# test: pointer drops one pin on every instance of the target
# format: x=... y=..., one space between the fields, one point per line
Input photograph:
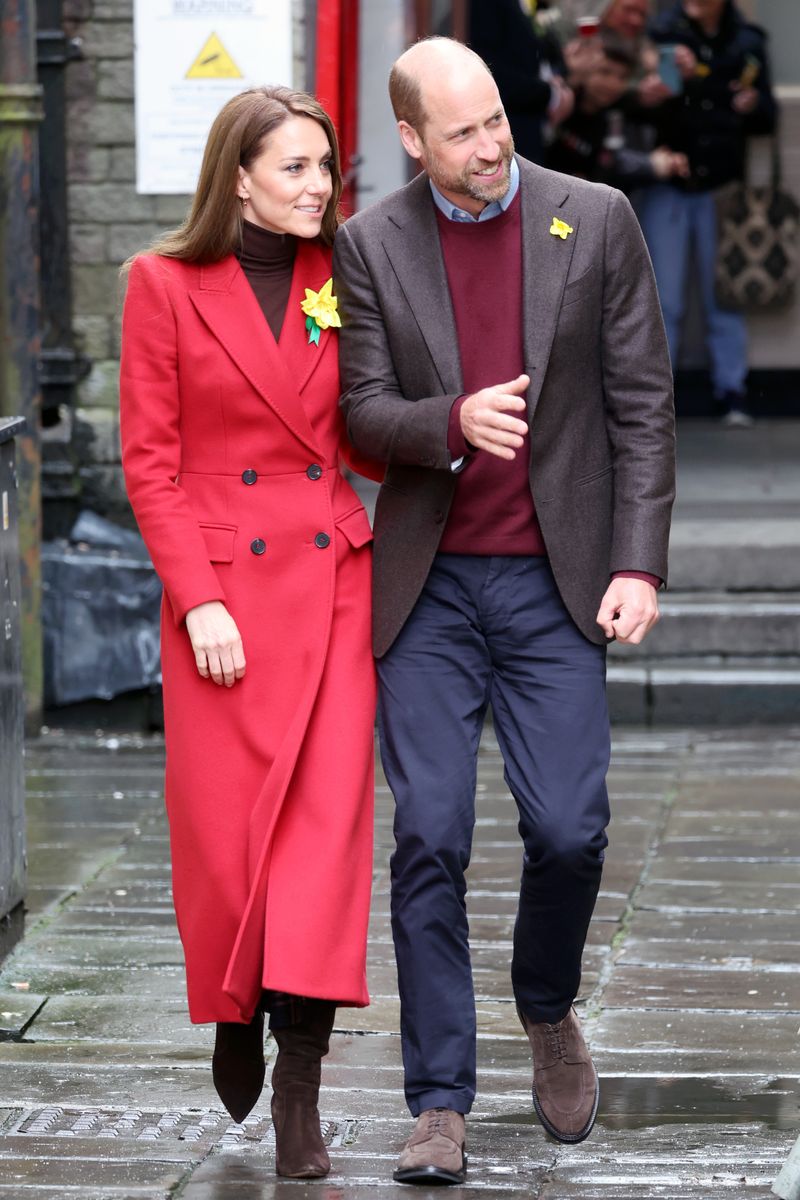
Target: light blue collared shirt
x=454 y=213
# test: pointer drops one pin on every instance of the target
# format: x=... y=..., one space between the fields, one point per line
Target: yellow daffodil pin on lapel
x=561 y=229
x=320 y=309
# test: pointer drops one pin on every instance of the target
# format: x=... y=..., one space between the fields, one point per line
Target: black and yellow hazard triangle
x=214 y=62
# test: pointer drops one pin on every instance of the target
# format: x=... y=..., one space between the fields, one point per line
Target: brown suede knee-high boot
x=238 y=1066
x=300 y=1150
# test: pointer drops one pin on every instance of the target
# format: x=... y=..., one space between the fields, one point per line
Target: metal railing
x=12 y=704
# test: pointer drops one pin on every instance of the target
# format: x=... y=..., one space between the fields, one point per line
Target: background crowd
x=660 y=104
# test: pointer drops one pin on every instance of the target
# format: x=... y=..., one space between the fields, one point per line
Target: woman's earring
x=244 y=200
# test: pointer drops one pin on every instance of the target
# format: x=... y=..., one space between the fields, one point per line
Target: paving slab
x=692 y=1042
x=685 y=987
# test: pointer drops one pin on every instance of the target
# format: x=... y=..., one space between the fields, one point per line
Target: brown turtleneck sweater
x=267 y=260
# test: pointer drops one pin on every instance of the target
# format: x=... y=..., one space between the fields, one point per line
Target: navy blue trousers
x=489 y=630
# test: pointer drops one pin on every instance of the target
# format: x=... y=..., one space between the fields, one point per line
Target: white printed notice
x=192 y=56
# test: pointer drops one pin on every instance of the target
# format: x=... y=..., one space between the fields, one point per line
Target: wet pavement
x=691 y=996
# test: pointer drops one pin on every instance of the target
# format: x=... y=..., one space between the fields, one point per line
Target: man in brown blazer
x=502 y=351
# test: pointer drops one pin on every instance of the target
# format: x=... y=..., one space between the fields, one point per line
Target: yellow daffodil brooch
x=561 y=229
x=320 y=310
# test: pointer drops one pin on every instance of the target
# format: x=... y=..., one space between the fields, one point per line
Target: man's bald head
x=419 y=68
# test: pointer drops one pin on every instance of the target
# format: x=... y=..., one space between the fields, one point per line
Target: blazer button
x=314 y=471
x=322 y=541
x=249 y=476
x=258 y=545
x=438 y=516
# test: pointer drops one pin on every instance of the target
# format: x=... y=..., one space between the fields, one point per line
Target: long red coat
x=231 y=449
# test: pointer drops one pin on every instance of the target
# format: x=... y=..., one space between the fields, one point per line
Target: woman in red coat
x=232 y=443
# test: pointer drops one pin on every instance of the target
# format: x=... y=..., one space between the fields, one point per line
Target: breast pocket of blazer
x=584 y=286
x=219 y=540
x=594 y=476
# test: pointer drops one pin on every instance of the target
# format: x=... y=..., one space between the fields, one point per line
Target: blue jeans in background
x=675 y=223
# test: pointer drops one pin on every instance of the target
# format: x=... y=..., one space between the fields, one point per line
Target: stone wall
x=108 y=223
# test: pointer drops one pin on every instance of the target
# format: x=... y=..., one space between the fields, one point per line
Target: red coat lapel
x=278 y=372
x=312 y=268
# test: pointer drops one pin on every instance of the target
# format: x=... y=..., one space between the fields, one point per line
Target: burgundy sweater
x=492 y=511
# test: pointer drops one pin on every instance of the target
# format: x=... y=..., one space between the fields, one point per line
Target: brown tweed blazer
x=599 y=405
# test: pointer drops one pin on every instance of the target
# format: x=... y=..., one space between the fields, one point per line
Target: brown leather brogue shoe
x=238 y=1066
x=436 y=1152
x=566 y=1090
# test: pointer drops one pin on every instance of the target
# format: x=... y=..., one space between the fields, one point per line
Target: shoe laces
x=557 y=1036
x=436 y=1120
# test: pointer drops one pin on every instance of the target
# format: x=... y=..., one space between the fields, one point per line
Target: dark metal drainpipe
x=60 y=367
x=20 y=114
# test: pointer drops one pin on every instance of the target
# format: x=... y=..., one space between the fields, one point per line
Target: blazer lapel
x=411 y=242
x=546 y=260
x=229 y=308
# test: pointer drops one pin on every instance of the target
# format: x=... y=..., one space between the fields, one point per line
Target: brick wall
x=109 y=222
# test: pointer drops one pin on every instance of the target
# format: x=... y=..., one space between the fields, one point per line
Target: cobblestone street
x=691 y=995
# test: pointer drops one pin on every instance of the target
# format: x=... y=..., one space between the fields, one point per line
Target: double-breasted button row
x=321 y=541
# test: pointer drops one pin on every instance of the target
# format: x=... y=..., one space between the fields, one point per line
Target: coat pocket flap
x=355 y=527
x=219 y=541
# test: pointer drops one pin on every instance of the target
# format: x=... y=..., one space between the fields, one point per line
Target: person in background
x=593 y=141
x=625 y=21
x=726 y=97
x=529 y=75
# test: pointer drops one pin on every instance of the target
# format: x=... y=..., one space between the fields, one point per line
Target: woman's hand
x=217 y=646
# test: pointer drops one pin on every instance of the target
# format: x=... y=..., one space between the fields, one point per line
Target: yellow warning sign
x=214 y=62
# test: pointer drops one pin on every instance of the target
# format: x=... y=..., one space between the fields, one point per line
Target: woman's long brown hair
x=213 y=227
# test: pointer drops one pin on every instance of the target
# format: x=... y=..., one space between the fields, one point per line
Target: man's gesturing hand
x=216 y=642
x=487 y=421
x=629 y=610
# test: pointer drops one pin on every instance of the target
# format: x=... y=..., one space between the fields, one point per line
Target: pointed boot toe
x=238 y=1068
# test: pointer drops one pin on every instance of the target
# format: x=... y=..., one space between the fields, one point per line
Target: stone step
x=719 y=623
x=706 y=691
x=748 y=554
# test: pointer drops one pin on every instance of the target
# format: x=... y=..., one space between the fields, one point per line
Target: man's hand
x=629 y=610
x=215 y=640
x=487 y=421
x=666 y=163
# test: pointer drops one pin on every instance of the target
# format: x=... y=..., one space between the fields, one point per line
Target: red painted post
x=329 y=40
x=348 y=127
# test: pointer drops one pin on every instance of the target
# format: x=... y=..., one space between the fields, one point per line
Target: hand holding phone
x=668 y=69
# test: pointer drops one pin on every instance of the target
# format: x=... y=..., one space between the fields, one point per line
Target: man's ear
x=412 y=143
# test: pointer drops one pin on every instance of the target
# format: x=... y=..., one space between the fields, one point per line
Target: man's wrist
x=645 y=576
x=457 y=444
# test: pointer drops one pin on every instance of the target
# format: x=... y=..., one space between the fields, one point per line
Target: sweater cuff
x=457 y=444
x=653 y=580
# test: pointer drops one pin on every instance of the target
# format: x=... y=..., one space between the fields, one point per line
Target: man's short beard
x=466 y=183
